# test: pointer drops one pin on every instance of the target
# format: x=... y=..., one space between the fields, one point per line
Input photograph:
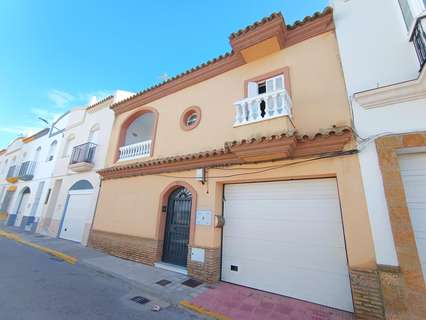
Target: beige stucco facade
x=129 y=219
x=317 y=90
x=137 y=213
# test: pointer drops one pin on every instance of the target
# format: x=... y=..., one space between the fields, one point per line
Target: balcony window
x=26 y=170
x=137 y=136
x=83 y=153
x=419 y=40
x=266 y=99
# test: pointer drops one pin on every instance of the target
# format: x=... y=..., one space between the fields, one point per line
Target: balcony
x=82 y=157
x=26 y=170
x=12 y=174
x=262 y=107
x=136 y=150
x=419 y=40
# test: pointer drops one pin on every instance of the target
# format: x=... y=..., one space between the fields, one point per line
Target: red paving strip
x=240 y=303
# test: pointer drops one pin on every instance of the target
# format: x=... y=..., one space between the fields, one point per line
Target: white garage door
x=78 y=213
x=287 y=238
x=413 y=172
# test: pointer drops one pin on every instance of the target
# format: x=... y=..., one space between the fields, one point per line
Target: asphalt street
x=36 y=286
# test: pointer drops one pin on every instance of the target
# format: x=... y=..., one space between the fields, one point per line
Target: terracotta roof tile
x=230 y=53
x=316 y=15
x=227 y=148
x=99 y=102
x=258 y=23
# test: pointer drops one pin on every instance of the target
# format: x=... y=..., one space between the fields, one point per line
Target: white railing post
x=277 y=104
x=136 y=150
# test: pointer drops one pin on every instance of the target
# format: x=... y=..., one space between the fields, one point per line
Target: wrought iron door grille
x=177 y=227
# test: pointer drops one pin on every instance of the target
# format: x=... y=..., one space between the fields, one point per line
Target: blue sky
x=56 y=54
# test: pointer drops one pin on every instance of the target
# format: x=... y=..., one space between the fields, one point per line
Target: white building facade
x=382 y=45
x=75 y=183
x=26 y=167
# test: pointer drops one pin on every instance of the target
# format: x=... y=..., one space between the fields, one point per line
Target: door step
x=171 y=267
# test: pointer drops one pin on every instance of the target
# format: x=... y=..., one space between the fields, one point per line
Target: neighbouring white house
x=382 y=45
x=75 y=183
x=26 y=167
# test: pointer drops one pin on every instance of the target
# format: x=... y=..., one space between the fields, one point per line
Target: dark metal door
x=176 y=235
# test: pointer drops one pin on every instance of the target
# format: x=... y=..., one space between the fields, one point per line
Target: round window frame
x=186 y=114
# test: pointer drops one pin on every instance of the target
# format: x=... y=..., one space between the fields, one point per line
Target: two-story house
x=383 y=51
x=26 y=170
x=75 y=183
x=245 y=169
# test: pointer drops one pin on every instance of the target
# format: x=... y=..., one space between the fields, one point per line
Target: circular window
x=190 y=118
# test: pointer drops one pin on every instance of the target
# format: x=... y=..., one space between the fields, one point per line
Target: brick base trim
x=209 y=271
x=367 y=294
x=392 y=284
x=133 y=248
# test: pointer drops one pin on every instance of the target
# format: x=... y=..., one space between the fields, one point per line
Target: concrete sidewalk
x=142 y=276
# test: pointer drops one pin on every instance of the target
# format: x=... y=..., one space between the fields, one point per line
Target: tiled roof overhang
x=276 y=147
x=272 y=26
x=99 y=102
x=35 y=136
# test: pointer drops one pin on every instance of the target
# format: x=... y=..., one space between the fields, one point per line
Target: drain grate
x=140 y=299
x=192 y=283
x=163 y=282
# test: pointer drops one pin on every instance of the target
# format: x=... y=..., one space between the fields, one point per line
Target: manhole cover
x=140 y=299
x=191 y=283
x=163 y=282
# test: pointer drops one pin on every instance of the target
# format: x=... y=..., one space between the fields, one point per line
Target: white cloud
x=20 y=130
x=84 y=98
x=60 y=98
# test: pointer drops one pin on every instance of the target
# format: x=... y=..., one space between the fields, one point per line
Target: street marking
x=55 y=253
x=203 y=311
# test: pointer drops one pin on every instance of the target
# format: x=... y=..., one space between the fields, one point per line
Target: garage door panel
x=303 y=283
x=325 y=210
x=287 y=238
x=310 y=233
x=293 y=190
x=413 y=173
x=77 y=215
x=319 y=258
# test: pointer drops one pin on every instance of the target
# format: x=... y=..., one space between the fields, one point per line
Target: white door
x=413 y=172
x=21 y=208
x=77 y=214
x=287 y=238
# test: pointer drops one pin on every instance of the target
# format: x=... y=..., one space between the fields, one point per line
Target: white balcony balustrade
x=262 y=107
x=136 y=150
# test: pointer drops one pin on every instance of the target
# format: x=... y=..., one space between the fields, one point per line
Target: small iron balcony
x=26 y=170
x=12 y=174
x=419 y=40
x=82 y=157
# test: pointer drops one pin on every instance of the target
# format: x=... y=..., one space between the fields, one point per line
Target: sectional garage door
x=287 y=238
x=413 y=172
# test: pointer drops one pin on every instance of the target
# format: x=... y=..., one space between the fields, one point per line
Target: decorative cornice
x=276 y=147
x=396 y=93
x=273 y=25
